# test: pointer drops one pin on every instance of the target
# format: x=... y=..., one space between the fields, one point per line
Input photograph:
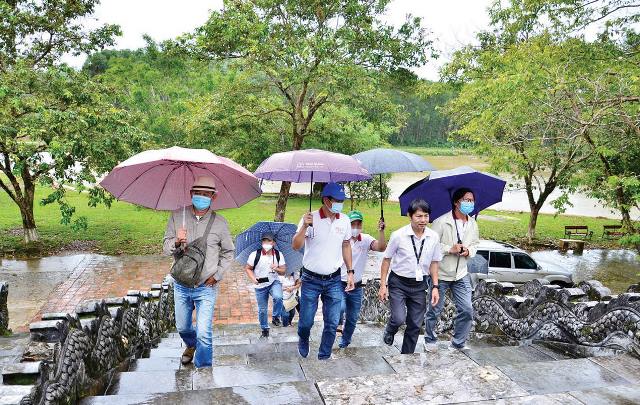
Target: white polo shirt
x=263 y=268
x=360 y=247
x=323 y=242
x=403 y=258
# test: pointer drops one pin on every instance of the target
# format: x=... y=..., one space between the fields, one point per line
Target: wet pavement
x=60 y=283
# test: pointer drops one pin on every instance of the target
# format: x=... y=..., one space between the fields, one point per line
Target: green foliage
x=370 y=191
x=56 y=125
x=38 y=33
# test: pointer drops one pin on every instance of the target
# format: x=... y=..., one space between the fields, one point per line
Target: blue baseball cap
x=334 y=190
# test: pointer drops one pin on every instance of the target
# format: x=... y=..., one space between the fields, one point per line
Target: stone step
x=462 y=381
x=12 y=394
x=561 y=376
x=149 y=382
x=497 y=356
x=297 y=392
x=20 y=373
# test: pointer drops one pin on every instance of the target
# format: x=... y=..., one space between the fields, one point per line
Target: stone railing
x=586 y=315
x=80 y=352
x=4 y=310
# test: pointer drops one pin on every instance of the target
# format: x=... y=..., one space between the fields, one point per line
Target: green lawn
x=425 y=151
x=129 y=229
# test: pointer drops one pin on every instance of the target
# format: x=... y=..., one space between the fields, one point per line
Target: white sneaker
x=430 y=347
x=459 y=349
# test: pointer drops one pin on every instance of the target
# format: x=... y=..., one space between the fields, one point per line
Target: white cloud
x=452 y=23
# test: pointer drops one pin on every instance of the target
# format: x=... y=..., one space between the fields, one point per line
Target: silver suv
x=511 y=264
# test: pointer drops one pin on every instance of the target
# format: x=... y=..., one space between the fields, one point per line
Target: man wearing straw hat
x=184 y=226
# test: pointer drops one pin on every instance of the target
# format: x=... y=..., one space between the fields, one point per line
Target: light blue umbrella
x=381 y=161
x=478 y=264
x=251 y=240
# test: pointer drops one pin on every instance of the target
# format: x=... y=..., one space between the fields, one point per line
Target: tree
x=602 y=103
x=306 y=55
x=56 y=126
x=507 y=106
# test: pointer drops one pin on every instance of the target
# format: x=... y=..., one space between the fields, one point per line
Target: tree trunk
x=283 y=197
x=533 y=220
x=285 y=187
x=28 y=220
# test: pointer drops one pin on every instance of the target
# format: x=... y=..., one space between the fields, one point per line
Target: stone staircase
x=269 y=371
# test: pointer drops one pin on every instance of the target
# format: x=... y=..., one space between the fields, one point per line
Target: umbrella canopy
x=478 y=264
x=438 y=187
x=309 y=165
x=380 y=161
x=162 y=179
x=251 y=240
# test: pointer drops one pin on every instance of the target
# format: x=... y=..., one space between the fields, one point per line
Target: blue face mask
x=201 y=202
x=466 y=207
x=336 y=207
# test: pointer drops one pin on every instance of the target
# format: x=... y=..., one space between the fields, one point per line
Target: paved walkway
x=97 y=277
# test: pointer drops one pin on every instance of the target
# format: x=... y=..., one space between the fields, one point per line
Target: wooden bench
x=578 y=245
x=577 y=231
x=612 y=231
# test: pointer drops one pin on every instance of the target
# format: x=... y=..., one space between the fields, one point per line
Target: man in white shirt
x=413 y=253
x=325 y=234
x=263 y=271
x=459 y=239
x=361 y=244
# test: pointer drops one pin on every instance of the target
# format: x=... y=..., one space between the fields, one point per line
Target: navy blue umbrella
x=251 y=240
x=380 y=161
x=439 y=186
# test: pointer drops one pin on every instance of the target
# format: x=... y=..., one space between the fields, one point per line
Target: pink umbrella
x=162 y=179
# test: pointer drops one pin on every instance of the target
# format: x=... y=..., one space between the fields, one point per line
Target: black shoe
x=265 y=333
x=276 y=321
x=388 y=338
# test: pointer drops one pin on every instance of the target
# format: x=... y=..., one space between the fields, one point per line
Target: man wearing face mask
x=184 y=226
x=263 y=267
x=361 y=244
x=459 y=239
x=325 y=235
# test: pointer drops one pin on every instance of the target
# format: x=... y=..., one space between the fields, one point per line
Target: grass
x=127 y=229
x=435 y=150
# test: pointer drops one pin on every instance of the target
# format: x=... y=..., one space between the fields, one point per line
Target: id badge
x=418 y=272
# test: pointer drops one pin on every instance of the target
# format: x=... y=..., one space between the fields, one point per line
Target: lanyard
x=415 y=251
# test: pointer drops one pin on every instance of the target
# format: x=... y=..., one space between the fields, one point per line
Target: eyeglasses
x=468 y=200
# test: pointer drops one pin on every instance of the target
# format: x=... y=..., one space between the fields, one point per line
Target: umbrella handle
x=311 y=193
x=381 y=203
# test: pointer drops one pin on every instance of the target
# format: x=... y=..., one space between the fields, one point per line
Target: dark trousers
x=408 y=300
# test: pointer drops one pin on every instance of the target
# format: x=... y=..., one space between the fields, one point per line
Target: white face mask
x=355 y=232
x=267 y=246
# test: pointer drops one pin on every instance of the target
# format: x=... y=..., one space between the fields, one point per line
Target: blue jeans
x=350 y=308
x=330 y=292
x=202 y=299
x=262 y=296
x=461 y=292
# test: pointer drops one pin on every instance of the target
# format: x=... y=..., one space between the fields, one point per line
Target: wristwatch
x=352 y=271
x=434 y=286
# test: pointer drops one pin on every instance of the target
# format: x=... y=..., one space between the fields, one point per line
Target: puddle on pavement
x=617 y=269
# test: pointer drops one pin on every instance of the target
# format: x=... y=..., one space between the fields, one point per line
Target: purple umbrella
x=301 y=166
x=438 y=187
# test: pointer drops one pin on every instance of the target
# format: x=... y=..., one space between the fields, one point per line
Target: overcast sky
x=452 y=23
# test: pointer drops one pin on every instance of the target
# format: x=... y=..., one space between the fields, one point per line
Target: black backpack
x=259 y=253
